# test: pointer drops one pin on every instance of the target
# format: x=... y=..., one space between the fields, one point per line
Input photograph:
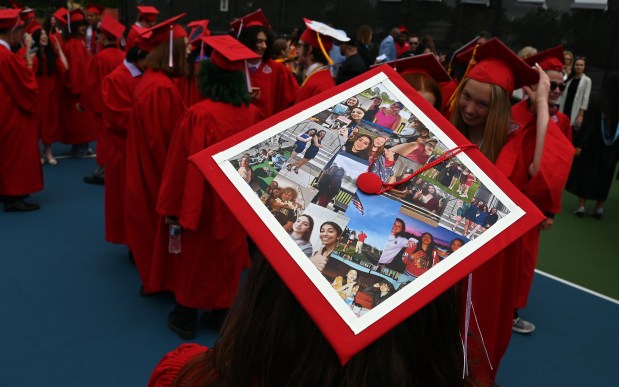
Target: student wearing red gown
x=552 y=61
x=188 y=85
x=206 y=274
x=100 y=65
x=53 y=27
x=274 y=87
x=20 y=166
x=117 y=94
x=93 y=17
x=313 y=60
x=531 y=159
x=147 y=18
x=157 y=107
x=52 y=65
x=76 y=122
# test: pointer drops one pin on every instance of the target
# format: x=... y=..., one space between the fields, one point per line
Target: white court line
x=568 y=283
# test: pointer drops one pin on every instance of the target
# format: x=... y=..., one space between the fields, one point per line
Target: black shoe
x=183 y=325
x=94 y=179
x=214 y=319
x=20 y=206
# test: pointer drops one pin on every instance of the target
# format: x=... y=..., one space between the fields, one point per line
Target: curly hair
x=221 y=85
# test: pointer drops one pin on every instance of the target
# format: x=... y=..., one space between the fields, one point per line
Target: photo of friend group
x=368 y=247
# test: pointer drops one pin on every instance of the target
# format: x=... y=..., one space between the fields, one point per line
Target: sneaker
x=580 y=212
x=182 y=326
x=522 y=326
x=94 y=179
x=598 y=213
x=20 y=206
x=85 y=153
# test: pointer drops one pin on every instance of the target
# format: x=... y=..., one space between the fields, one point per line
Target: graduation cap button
x=369 y=183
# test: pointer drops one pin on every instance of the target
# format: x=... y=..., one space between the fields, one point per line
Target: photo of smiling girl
x=330 y=236
x=301 y=232
x=359 y=146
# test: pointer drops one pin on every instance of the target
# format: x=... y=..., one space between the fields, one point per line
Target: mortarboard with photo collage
x=361 y=263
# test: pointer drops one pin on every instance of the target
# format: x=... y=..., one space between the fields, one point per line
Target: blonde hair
x=527 y=51
x=497 y=123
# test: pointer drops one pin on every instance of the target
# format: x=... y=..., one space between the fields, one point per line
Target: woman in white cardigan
x=575 y=99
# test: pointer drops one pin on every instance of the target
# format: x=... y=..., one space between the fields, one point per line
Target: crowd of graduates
x=165 y=92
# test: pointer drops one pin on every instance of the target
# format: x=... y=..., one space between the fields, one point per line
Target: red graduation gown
x=157 y=107
x=315 y=84
x=117 y=96
x=206 y=274
x=278 y=87
x=502 y=284
x=188 y=88
x=78 y=126
x=99 y=66
x=20 y=165
x=563 y=122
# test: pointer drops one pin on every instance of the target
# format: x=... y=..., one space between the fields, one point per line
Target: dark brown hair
x=158 y=58
x=269 y=340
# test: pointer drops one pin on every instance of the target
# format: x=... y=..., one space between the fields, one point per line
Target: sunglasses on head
x=554 y=85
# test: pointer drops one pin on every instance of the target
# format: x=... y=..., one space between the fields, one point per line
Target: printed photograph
x=286 y=199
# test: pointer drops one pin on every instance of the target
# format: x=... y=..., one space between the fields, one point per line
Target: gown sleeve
x=172 y=363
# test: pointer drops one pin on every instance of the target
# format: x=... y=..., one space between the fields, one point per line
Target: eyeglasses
x=554 y=85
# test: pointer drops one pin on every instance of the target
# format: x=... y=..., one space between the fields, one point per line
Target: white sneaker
x=522 y=326
x=580 y=212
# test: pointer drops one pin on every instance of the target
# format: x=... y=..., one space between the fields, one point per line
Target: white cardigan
x=581 y=98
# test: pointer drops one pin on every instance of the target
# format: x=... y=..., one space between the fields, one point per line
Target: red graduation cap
x=493 y=62
x=320 y=36
x=199 y=29
x=425 y=64
x=256 y=18
x=228 y=53
x=27 y=15
x=61 y=15
x=551 y=59
x=95 y=8
x=147 y=13
x=112 y=29
x=9 y=19
x=154 y=36
x=32 y=27
x=140 y=42
x=350 y=328
x=76 y=16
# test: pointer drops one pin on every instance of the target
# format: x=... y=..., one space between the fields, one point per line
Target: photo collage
x=368 y=247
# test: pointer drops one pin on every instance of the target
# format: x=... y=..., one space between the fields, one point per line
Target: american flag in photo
x=355 y=200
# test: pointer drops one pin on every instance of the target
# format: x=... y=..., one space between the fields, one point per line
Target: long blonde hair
x=497 y=123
